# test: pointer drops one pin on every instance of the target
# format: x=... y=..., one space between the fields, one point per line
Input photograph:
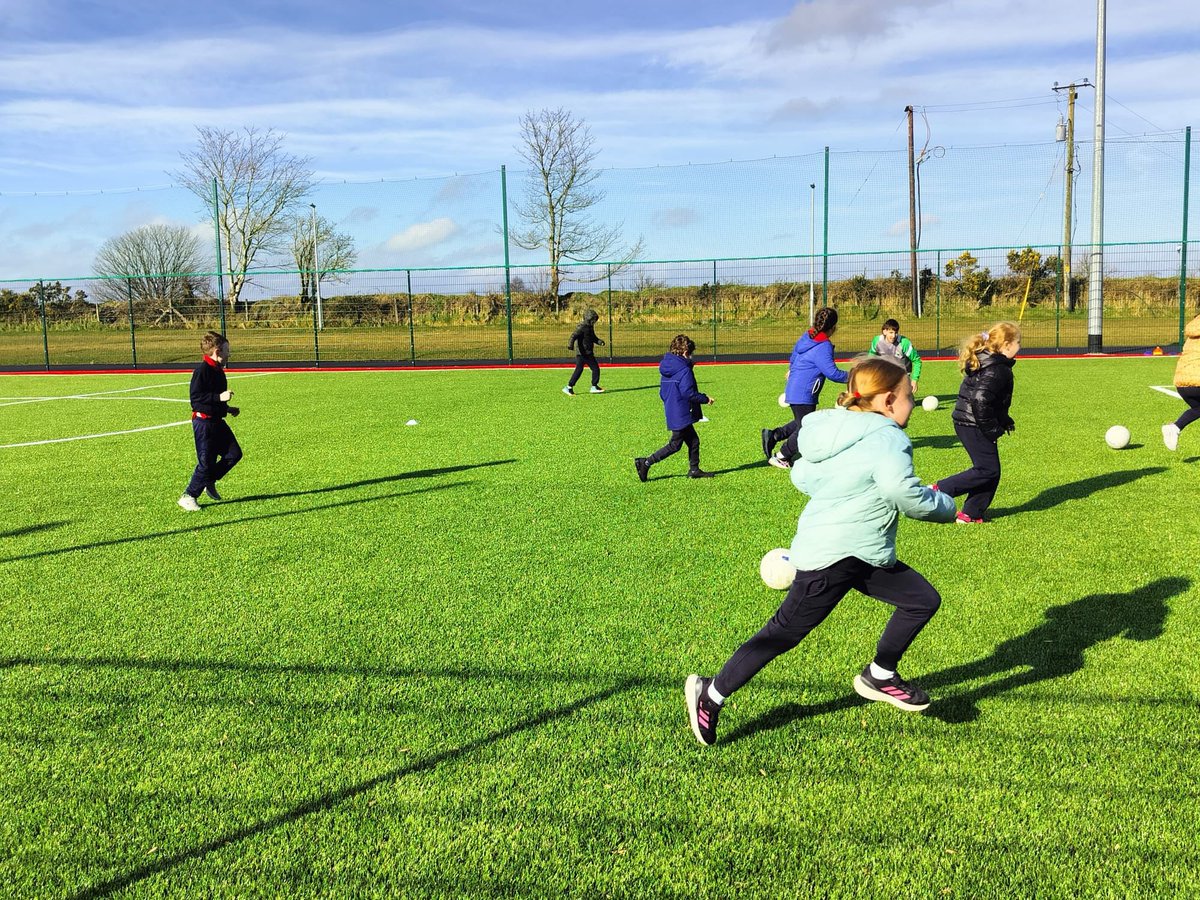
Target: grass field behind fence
x=446 y=660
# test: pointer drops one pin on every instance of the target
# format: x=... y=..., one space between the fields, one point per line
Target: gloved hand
x=225 y=396
x=234 y=411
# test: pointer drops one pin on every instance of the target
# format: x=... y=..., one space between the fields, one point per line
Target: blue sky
x=105 y=96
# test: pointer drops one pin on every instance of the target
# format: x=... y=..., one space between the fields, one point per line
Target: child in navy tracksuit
x=217 y=450
x=584 y=341
x=682 y=400
x=811 y=364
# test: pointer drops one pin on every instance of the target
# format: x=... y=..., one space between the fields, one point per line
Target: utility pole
x=912 y=215
x=1072 y=93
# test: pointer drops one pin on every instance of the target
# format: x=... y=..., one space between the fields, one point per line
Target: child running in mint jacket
x=810 y=365
x=856 y=466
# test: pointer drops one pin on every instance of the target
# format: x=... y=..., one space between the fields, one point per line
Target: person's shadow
x=1054 y=648
x=1077 y=490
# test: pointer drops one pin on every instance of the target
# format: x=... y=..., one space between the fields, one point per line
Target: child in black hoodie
x=583 y=342
x=217 y=450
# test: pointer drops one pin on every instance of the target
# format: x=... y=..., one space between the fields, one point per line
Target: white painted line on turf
x=88 y=437
x=145 y=387
x=1166 y=390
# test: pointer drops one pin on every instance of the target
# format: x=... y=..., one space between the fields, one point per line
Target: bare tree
x=160 y=265
x=560 y=190
x=258 y=189
x=335 y=253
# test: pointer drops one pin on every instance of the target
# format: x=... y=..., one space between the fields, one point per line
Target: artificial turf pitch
x=447 y=660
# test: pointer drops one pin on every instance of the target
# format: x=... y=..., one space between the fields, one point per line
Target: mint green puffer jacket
x=857 y=470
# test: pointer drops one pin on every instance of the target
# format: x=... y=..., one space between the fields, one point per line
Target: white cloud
x=900 y=228
x=423 y=235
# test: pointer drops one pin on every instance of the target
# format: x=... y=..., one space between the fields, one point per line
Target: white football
x=930 y=403
x=783 y=400
x=1117 y=437
x=776 y=570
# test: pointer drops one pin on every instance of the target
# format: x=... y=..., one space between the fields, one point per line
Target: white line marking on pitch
x=1166 y=390
x=146 y=387
x=87 y=437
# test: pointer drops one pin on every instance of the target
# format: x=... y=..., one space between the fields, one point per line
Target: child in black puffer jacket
x=981 y=416
x=583 y=342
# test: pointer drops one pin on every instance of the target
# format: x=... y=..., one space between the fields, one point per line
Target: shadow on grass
x=133 y=539
x=332 y=799
x=32 y=529
x=643 y=387
x=1077 y=490
x=788 y=713
x=937 y=441
x=386 y=479
x=1055 y=648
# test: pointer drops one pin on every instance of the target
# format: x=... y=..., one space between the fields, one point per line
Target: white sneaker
x=597 y=390
x=1171 y=435
x=188 y=502
x=567 y=390
x=779 y=462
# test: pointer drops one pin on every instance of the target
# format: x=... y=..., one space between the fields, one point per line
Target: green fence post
x=714 y=302
x=1187 y=168
x=507 y=279
x=825 y=242
x=1058 y=300
x=412 y=339
x=45 y=339
x=937 y=308
x=220 y=273
x=132 y=337
x=608 y=270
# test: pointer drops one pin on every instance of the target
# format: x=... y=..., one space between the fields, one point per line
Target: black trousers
x=1190 y=396
x=588 y=360
x=812 y=597
x=788 y=433
x=980 y=481
x=217 y=451
x=678 y=439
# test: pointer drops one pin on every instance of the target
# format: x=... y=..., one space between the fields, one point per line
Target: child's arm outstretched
x=898 y=483
x=829 y=368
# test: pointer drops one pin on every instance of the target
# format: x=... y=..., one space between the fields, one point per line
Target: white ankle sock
x=713 y=695
x=881 y=673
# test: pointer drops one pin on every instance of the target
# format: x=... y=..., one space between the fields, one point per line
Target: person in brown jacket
x=1187 y=384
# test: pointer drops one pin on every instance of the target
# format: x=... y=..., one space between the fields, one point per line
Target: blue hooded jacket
x=680 y=396
x=810 y=365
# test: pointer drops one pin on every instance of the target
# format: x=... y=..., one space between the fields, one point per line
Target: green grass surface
x=447 y=660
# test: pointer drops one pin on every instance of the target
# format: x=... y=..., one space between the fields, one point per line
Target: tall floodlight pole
x=812 y=256
x=1096 y=268
x=316 y=271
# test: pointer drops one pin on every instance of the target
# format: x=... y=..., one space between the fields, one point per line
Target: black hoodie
x=583 y=338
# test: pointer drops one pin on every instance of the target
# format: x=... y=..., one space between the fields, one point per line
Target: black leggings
x=678 y=439
x=812 y=597
x=1190 y=396
x=581 y=361
x=980 y=481
x=789 y=433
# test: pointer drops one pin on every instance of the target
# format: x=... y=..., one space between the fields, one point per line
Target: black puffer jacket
x=986 y=395
x=583 y=339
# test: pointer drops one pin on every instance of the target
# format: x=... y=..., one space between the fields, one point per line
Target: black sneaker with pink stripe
x=702 y=710
x=894 y=690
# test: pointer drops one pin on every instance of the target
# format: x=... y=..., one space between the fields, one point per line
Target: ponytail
x=990 y=340
x=871 y=376
x=824 y=321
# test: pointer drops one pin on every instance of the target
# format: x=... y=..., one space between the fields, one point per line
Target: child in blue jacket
x=811 y=364
x=856 y=466
x=681 y=402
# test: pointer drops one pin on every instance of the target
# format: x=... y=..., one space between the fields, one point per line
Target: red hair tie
x=857 y=395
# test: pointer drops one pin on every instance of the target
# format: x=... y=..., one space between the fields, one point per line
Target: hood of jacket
x=839 y=430
x=672 y=364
